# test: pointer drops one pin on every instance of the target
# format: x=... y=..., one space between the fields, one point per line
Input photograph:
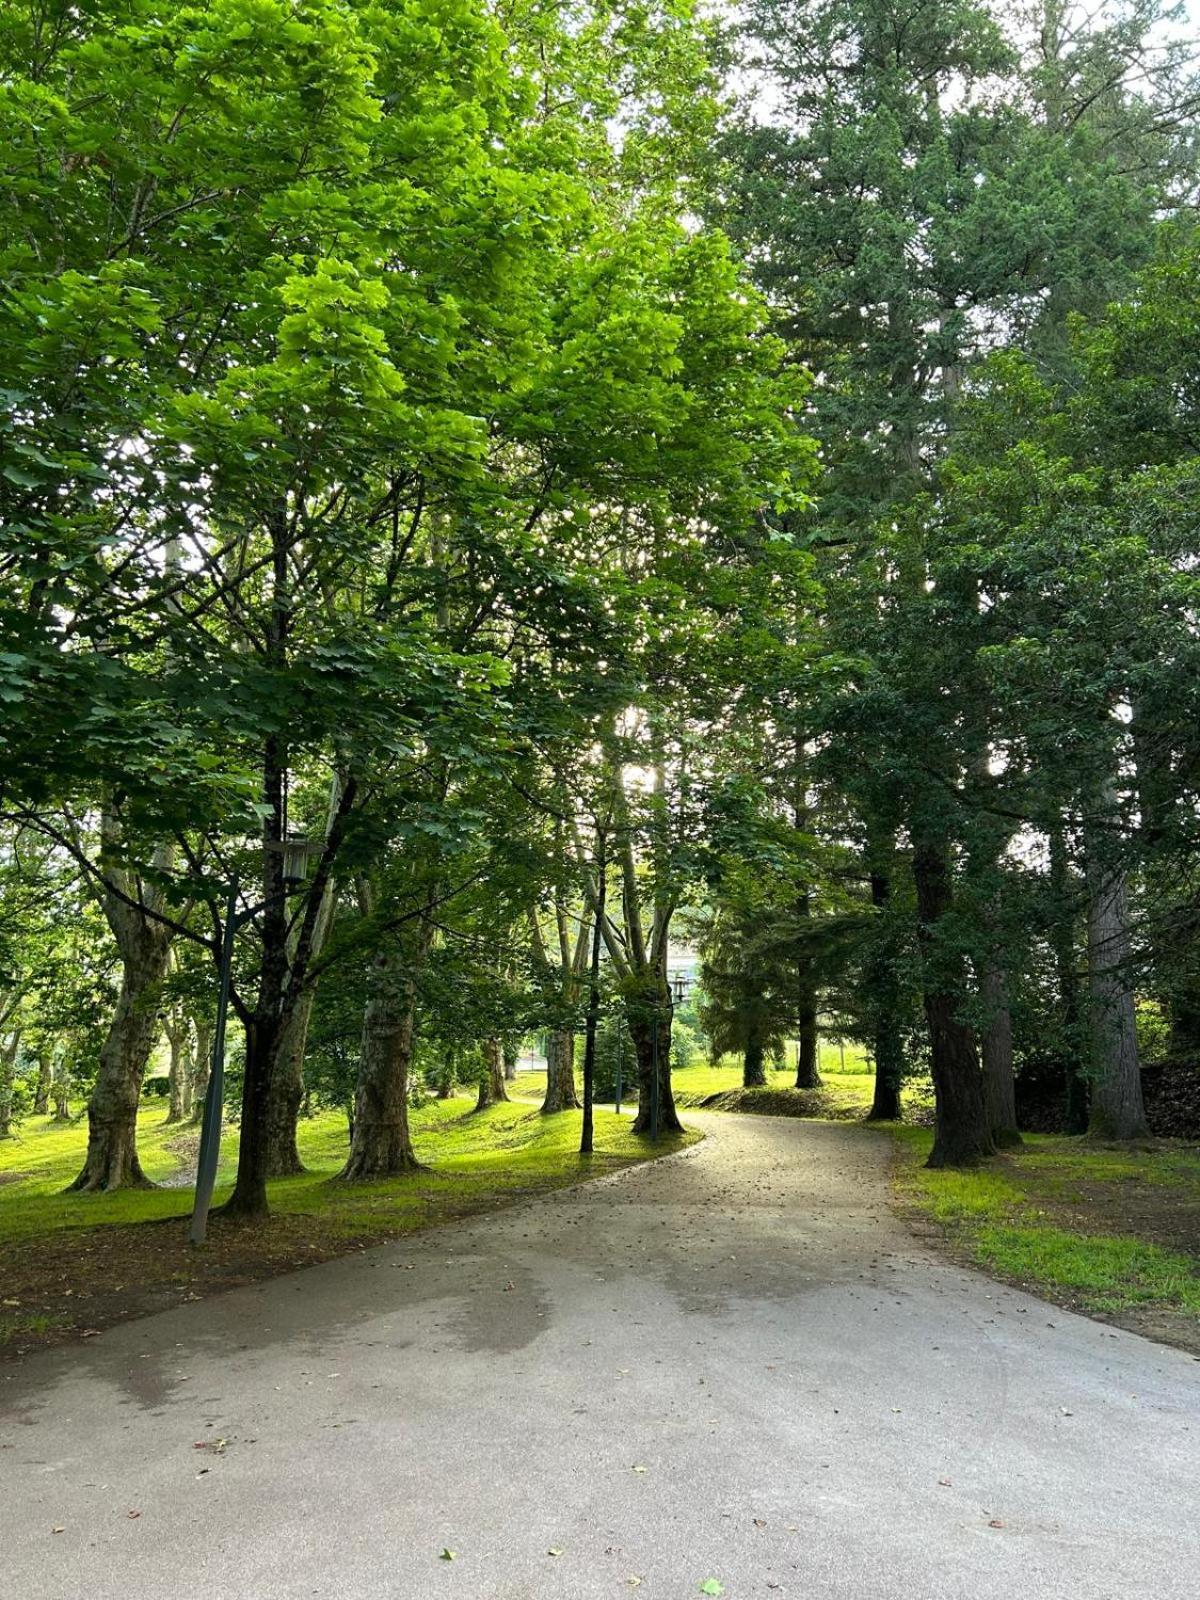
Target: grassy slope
x=1109 y=1231
x=61 y=1255
x=843 y=1094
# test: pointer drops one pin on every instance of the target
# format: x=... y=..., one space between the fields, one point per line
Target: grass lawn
x=844 y=1095
x=1112 y=1232
x=71 y=1264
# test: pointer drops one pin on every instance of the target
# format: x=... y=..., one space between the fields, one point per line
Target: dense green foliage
x=481 y=491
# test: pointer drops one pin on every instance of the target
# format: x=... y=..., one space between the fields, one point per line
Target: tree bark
x=112 y=1158
x=179 y=1074
x=1062 y=940
x=651 y=1035
x=202 y=1067
x=560 y=1072
x=889 y=1051
x=380 y=1143
x=9 y=1051
x=999 y=1083
x=808 y=1071
x=287 y=1092
x=45 y=1079
x=961 y=1135
x=1117 y=1111
x=512 y=1054
x=491 y=1081
x=61 y=1091
x=754 y=1071
x=287 y=1080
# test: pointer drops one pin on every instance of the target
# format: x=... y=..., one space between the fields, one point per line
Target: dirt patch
x=1157 y=1213
x=12 y=1177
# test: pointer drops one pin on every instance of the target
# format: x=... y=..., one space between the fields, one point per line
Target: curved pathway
x=733 y=1364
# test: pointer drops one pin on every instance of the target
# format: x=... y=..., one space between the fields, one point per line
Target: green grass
x=843 y=1092
x=71 y=1263
x=503 y=1149
x=1073 y=1221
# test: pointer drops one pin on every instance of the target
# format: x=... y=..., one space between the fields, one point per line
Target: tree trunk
x=754 y=1072
x=1062 y=940
x=889 y=1049
x=61 y=1091
x=512 y=1054
x=999 y=1083
x=1117 y=1111
x=112 y=1159
x=249 y=1197
x=380 y=1142
x=651 y=1035
x=201 y=1067
x=560 y=1072
x=287 y=1080
x=961 y=1136
x=491 y=1081
x=287 y=1092
x=808 y=1070
x=45 y=1078
x=179 y=1074
x=9 y=1052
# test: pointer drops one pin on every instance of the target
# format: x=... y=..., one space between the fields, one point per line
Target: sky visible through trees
x=492 y=495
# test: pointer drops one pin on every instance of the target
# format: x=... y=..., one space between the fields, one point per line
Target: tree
x=927 y=185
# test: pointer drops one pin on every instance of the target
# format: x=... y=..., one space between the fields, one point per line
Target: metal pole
x=214 y=1099
x=654 y=1090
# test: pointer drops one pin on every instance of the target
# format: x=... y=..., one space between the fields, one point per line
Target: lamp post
x=296 y=850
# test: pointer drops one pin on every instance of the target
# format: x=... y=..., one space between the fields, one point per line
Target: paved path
x=732 y=1364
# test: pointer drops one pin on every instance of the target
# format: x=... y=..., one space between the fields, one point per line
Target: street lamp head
x=298 y=849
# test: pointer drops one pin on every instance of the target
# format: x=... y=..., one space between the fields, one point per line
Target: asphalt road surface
x=731 y=1367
